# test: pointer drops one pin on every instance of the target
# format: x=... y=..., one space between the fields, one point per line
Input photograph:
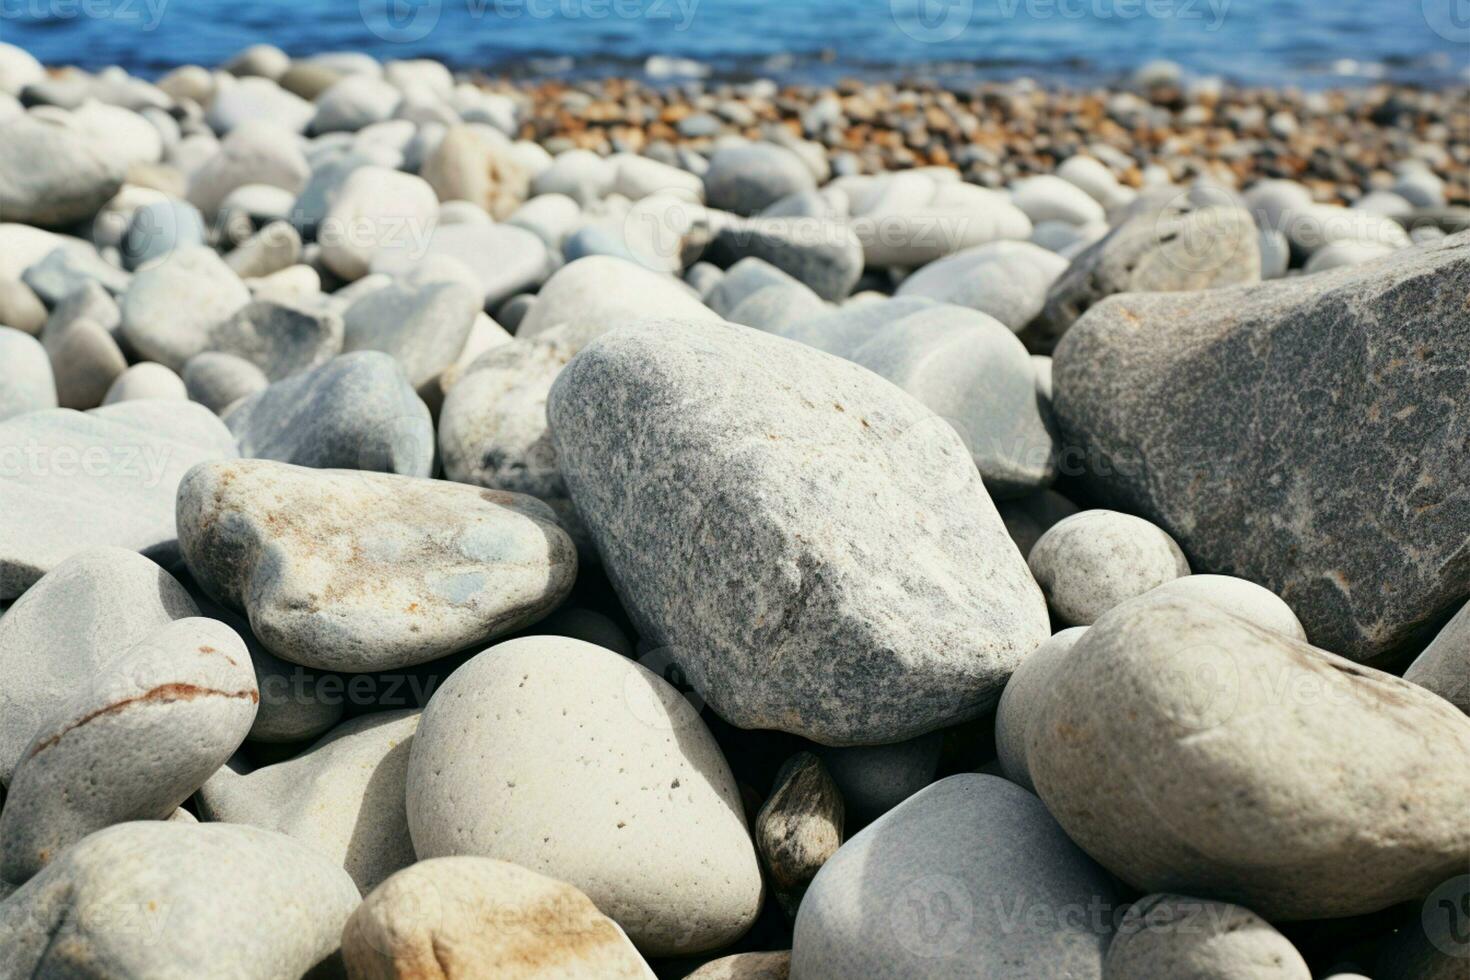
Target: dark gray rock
x=705 y=455
x=1171 y=242
x=281 y=338
x=824 y=254
x=798 y=827
x=217 y=381
x=256 y=900
x=1302 y=434
x=971 y=877
x=357 y=411
x=876 y=778
x=66 y=269
x=747 y=178
x=51 y=175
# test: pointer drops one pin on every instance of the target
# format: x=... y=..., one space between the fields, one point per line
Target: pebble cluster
x=450 y=529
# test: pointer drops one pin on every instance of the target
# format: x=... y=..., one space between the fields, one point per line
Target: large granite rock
x=172 y=901
x=1303 y=434
x=131 y=743
x=355 y=412
x=1191 y=751
x=1171 y=242
x=345 y=570
x=813 y=546
x=343 y=796
x=71 y=481
x=570 y=760
x=971 y=877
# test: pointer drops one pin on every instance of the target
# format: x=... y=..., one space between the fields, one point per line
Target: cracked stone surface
x=1310 y=435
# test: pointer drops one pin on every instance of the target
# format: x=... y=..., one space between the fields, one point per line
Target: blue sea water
x=1311 y=43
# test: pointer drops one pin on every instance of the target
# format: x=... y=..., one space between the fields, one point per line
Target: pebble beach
x=468 y=524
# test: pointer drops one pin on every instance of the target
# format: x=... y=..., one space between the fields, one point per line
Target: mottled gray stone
x=1187 y=938
x=823 y=254
x=73 y=623
x=1189 y=750
x=344 y=570
x=743 y=280
x=1355 y=513
x=357 y=411
x=217 y=381
x=592 y=296
x=1169 y=243
x=1444 y=666
x=504 y=259
x=27 y=383
x=160 y=228
x=972 y=372
x=651 y=828
x=1029 y=685
x=66 y=269
x=145 y=380
x=970 y=877
x=342 y=797
x=113 y=906
x=775 y=307
x=71 y=481
x=171 y=309
x=281 y=338
x=52 y=175
x=747 y=178
x=705 y=454
x=798 y=827
x=844 y=330
x=1094 y=560
x=424 y=327
x=1007 y=280
x=131 y=742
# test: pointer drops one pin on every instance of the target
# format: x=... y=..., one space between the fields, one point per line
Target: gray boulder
x=1187 y=938
x=171 y=308
x=1171 y=242
x=342 y=797
x=110 y=907
x=1355 y=514
x=281 y=338
x=874 y=779
x=343 y=570
x=52 y=175
x=69 y=627
x=1007 y=280
x=217 y=380
x=1090 y=562
x=823 y=254
x=356 y=411
x=1189 y=750
x=75 y=481
x=26 y=381
x=424 y=327
x=66 y=269
x=706 y=454
x=971 y=877
x=132 y=742
x=747 y=178
x=1444 y=666
x=1028 y=688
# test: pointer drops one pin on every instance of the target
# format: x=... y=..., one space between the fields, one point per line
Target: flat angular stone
x=71 y=481
x=281 y=338
x=424 y=327
x=1444 y=666
x=343 y=570
x=1356 y=513
x=814 y=546
x=356 y=411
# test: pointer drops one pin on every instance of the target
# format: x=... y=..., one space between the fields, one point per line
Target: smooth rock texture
x=424 y=327
x=52 y=175
x=798 y=827
x=134 y=742
x=468 y=166
x=476 y=917
x=1239 y=598
x=160 y=228
x=20 y=308
x=1267 y=773
x=1169 y=243
x=342 y=570
x=356 y=411
x=504 y=259
x=171 y=309
x=1090 y=562
x=342 y=797
x=217 y=380
x=839 y=630
x=26 y=381
x=746 y=966
x=67 y=628
x=1444 y=666
x=1007 y=280
x=746 y=178
x=280 y=337
x=108 y=907
x=146 y=380
x=874 y=779
x=376 y=215
x=650 y=826
x=826 y=256
x=71 y=481
x=1354 y=514
x=1187 y=938
x=1028 y=687
x=924 y=892
x=595 y=295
